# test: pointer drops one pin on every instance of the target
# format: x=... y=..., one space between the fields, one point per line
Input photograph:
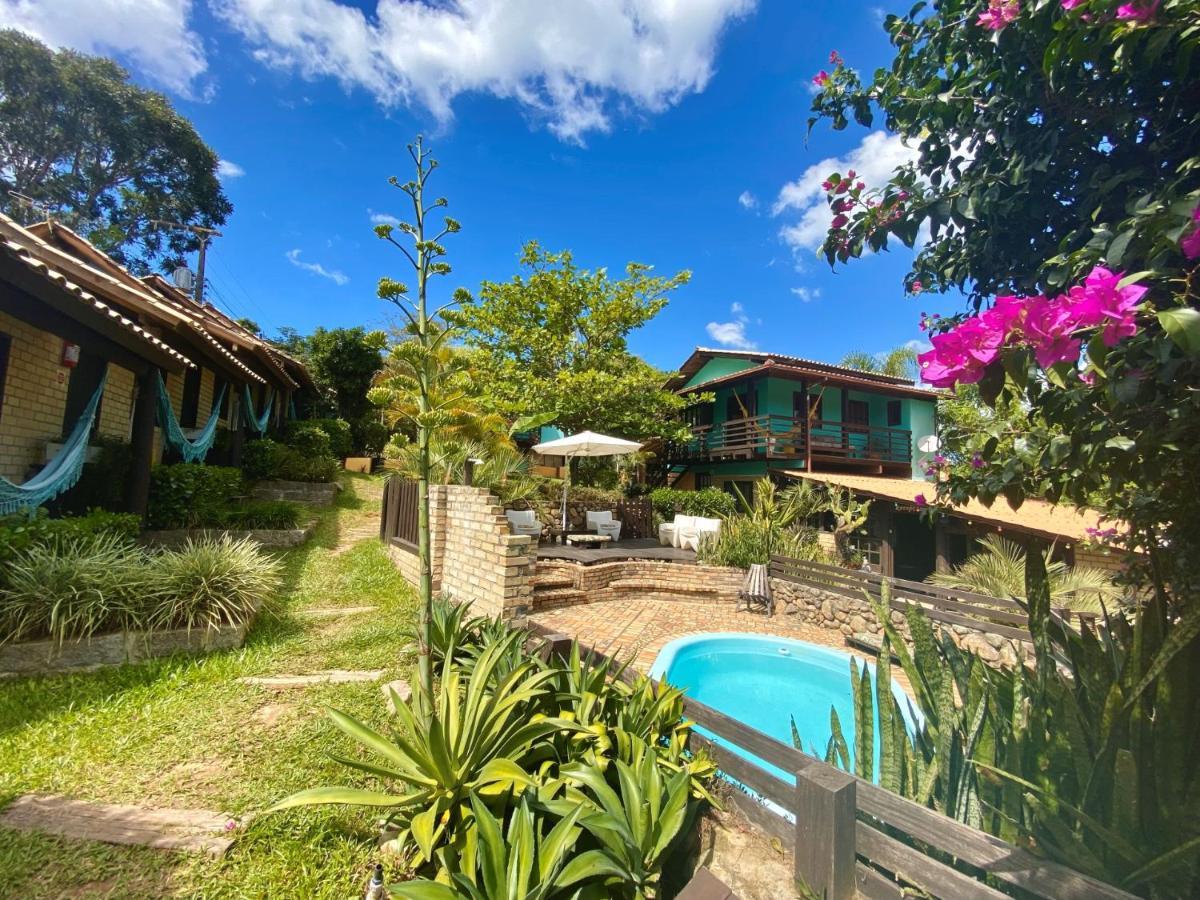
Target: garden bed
x=312 y=492
x=264 y=537
x=49 y=657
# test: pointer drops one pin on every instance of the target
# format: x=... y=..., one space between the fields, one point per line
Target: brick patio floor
x=638 y=630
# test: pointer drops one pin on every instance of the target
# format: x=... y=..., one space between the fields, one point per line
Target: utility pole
x=205 y=235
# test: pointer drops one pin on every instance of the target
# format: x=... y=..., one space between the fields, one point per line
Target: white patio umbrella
x=586 y=443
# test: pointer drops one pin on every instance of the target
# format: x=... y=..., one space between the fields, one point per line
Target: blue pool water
x=766 y=681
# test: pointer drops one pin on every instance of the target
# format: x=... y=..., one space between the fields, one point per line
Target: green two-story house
x=776 y=413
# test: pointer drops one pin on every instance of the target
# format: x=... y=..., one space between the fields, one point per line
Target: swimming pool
x=766 y=681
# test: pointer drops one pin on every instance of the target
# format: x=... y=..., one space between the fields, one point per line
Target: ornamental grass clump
x=71 y=588
x=211 y=582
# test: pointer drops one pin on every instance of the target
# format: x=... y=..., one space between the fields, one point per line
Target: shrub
x=742 y=541
x=266 y=459
x=309 y=438
x=19 y=532
x=269 y=514
x=211 y=582
x=341 y=439
x=370 y=436
x=74 y=587
x=712 y=503
x=189 y=495
x=103 y=483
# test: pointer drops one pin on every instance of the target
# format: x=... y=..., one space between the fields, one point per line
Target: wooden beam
x=826 y=839
x=52 y=309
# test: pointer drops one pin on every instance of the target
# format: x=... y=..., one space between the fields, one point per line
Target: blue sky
x=679 y=142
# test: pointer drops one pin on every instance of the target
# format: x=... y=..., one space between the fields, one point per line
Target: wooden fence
x=398 y=517
x=993 y=615
x=852 y=838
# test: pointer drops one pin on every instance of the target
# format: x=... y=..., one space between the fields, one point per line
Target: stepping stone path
x=402 y=689
x=330 y=612
x=165 y=829
x=334 y=676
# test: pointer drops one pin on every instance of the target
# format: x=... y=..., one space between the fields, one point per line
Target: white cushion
x=597 y=518
x=520 y=516
x=666 y=534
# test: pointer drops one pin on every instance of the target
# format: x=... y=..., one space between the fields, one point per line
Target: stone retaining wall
x=47 y=657
x=316 y=493
x=850 y=616
x=475 y=556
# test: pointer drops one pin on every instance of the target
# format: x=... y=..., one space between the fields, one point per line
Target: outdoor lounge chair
x=668 y=532
x=756 y=590
x=603 y=523
x=524 y=521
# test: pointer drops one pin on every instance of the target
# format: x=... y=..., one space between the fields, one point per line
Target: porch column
x=237 y=435
x=142 y=442
x=941 y=547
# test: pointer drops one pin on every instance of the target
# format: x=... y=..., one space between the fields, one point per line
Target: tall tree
x=556 y=338
x=105 y=155
x=419 y=365
x=343 y=362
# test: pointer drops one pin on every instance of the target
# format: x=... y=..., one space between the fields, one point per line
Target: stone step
x=166 y=829
x=334 y=676
x=650 y=585
x=550 y=599
x=551 y=581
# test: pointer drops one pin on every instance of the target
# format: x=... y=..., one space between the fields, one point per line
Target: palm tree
x=899 y=363
x=999 y=571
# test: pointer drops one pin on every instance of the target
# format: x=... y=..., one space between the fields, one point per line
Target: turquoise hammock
x=62 y=472
x=292 y=417
x=194 y=450
x=257 y=424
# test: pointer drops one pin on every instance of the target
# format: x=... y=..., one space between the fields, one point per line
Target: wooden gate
x=398 y=518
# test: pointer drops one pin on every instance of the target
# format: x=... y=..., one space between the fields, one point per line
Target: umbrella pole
x=566 y=484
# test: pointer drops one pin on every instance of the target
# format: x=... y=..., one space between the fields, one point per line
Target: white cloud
x=747 y=200
x=227 y=169
x=565 y=63
x=732 y=334
x=378 y=218
x=333 y=275
x=916 y=345
x=807 y=295
x=874 y=159
x=151 y=35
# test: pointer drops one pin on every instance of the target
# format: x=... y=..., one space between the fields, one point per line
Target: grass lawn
x=183 y=732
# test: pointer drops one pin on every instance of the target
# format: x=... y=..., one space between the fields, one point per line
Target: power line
x=230 y=276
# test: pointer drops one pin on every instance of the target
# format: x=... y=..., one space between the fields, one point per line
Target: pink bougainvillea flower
x=1141 y=11
x=999 y=14
x=920 y=501
x=1190 y=244
x=977 y=462
x=1101 y=301
x=1049 y=327
x=835 y=58
x=917 y=287
x=827 y=186
x=1007 y=314
x=839 y=221
x=821 y=78
x=1071 y=4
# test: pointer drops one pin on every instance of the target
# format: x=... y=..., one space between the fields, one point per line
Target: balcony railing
x=783 y=437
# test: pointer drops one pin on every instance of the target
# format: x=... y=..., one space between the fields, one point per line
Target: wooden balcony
x=820 y=441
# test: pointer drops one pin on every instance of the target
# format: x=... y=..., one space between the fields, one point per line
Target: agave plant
x=452 y=629
x=523 y=864
x=475 y=743
x=637 y=824
x=999 y=571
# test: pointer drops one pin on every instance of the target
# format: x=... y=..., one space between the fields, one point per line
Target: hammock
x=62 y=472
x=292 y=417
x=193 y=450
x=256 y=424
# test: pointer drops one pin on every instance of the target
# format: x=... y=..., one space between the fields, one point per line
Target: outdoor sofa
x=685 y=531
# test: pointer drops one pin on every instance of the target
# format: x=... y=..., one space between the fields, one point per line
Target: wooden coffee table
x=588 y=540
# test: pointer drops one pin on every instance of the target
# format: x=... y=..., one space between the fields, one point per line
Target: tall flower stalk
x=424 y=369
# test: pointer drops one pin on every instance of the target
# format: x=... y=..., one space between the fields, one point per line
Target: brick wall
x=475 y=556
x=646 y=578
x=35 y=398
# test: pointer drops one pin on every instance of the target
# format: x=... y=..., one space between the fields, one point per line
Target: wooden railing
x=398 y=517
x=785 y=437
x=992 y=615
x=851 y=838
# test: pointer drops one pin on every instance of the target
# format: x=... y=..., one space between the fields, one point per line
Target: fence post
x=826 y=804
x=383 y=511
